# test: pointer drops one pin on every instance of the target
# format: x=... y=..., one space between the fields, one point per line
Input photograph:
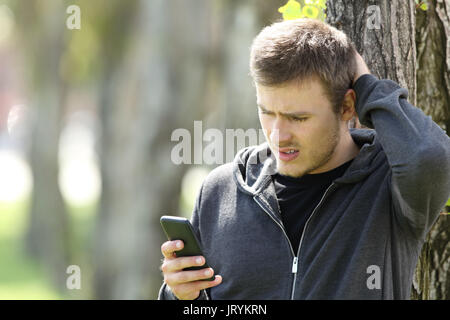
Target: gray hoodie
x=363 y=239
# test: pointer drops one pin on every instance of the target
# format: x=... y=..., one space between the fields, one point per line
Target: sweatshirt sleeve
x=417 y=149
x=165 y=293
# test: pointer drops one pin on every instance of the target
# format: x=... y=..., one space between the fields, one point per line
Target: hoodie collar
x=254 y=166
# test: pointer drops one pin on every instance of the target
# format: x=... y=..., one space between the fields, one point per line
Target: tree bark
x=433 y=59
x=432 y=278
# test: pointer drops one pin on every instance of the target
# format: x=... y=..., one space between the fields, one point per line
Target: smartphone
x=177 y=228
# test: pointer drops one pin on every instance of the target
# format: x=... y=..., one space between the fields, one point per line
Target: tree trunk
x=389 y=48
x=433 y=57
x=155 y=85
x=47 y=237
x=432 y=279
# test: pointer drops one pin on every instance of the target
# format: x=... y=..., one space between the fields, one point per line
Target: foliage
x=423 y=5
x=314 y=9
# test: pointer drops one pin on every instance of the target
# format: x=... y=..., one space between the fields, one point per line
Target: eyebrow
x=287 y=114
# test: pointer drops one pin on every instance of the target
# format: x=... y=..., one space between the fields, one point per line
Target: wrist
x=360 y=74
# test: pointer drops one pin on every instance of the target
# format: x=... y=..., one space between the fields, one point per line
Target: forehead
x=306 y=95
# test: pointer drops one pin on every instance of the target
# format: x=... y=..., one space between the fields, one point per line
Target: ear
x=348 y=105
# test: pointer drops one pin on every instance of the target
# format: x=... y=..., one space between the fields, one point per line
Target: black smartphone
x=177 y=228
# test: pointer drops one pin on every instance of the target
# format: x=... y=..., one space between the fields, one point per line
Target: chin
x=287 y=170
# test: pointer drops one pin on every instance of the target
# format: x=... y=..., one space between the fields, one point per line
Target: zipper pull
x=294 y=265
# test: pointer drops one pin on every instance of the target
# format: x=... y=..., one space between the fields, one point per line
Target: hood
x=254 y=166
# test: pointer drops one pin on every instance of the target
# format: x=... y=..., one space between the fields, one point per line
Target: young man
x=334 y=213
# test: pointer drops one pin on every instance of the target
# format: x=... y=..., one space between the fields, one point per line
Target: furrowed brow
x=296 y=114
x=262 y=107
x=287 y=114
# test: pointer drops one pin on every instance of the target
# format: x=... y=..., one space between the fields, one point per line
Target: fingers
x=175 y=278
x=198 y=285
x=174 y=265
x=191 y=290
x=185 y=284
x=168 y=248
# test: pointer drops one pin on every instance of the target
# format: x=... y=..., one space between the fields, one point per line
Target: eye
x=299 y=119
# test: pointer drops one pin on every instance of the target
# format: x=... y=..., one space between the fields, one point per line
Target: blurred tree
x=41 y=27
x=155 y=71
x=396 y=47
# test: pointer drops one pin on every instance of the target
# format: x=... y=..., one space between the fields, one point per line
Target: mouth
x=288 y=154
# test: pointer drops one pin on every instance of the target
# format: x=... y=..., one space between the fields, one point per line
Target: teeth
x=291 y=151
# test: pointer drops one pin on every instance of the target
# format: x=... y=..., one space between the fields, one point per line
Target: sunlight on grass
x=28 y=291
x=13 y=218
x=22 y=278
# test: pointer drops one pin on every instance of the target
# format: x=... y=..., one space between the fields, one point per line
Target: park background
x=87 y=114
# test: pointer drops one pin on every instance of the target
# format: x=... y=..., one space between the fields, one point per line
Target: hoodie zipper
x=295 y=259
x=302 y=236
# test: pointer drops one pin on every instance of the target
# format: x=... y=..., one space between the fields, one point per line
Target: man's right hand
x=186 y=285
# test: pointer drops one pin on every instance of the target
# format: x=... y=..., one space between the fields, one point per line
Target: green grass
x=82 y=221
x=13 y=219
x=20 y=276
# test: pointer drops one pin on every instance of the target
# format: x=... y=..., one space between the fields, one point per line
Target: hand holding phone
x=184 y=268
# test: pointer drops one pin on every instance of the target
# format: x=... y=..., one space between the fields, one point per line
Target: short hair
x=300 y=50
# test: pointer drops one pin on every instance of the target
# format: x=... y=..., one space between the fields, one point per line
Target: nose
x=280 y=134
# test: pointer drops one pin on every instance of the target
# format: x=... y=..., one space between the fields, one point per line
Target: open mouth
x=288 y=154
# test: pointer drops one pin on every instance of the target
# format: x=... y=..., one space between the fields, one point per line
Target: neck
x=346 y=149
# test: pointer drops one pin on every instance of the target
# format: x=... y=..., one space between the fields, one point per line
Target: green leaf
x=323 y=4
x=424 y=6
x=310 y=11
x=291 y=10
